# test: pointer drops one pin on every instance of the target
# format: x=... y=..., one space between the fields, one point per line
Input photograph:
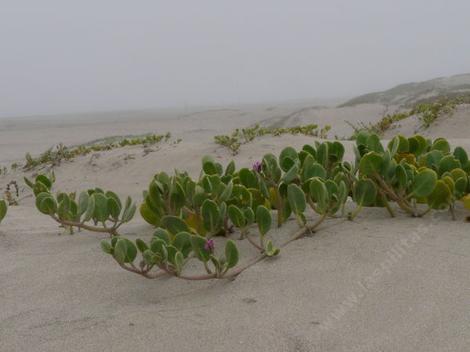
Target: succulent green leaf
x=3 y=209
x=148 y=215
x=182 y=242
x=440 y=197
x=174 y=224
x=270 y=250
x=129 y=212
x=230 y=168
x=319 y=194
x=83 y=203
x=101 y=212
x=125 y=251
x=210 y=215
x=46 y=203
x=179 y=262
x=113 y=208
x=371 y=164
x=236 y=216
x=291 y=175
x=44 y=180
x=90 y=210
x=442 y=145
x=424 y=183
x=448 y=163
x=264 y=219
x=365 y=192
x=461 y=155
x=209 y=165
x=296 y=198
x=198 y=244
x=231 y=254
x=374 y=144
x=248 y=178
x=141 y=245
x=287 y=158
x=249 y=215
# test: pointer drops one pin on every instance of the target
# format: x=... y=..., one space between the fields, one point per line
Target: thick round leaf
x=442 y=145
x=210 y=215
x=374 y=144
x=182 y=242
x=209 y=165
x=114 y=208
x=198 y=244
x=248 y=178
x=461 y=155
x=448 y=163
x=371 y=164
x=125 y=251
x=174 y=224
x=365 y=192
x=129 y=211
x=231 y=254
x=236 y=216
x=90 y=210
x=270 y=250
x=440 y=197
x=46 y=203
x=101 y=212
x=319 y=194
x=424 y=183
x=287 y=157
x=83 y=203
x=290 y=175
x=249 y=215
x=296 y=198
x=230 y=169
x=264 y=219
x=141 y=245
x=148 y=215
x=402 y=176
x=3 y=209
x=44 y=180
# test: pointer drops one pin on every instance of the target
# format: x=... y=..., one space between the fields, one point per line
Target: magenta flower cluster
x=209 y=245
x=257 y=166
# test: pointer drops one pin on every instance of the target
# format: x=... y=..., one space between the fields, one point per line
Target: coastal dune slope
x=374 y=284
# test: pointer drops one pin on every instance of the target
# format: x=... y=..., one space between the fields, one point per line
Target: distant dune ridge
x=61 y=293
x=411 y=93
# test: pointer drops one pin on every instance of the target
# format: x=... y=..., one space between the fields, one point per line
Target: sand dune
x=61 y=293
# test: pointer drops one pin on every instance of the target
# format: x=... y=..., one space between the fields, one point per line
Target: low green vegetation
x=379 y=127
x=201 y=220
x=94 y=210
x=3 y=209
x=427 y=112
x=238 y=137
x=54 y=156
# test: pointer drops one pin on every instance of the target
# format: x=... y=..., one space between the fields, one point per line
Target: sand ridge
x=61 y=293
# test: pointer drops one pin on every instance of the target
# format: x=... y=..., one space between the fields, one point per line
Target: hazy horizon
x=61 y=57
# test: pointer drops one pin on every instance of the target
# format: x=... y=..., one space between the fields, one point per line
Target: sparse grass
x=246 y=135
x=54 y=156
x=427 y=111
x=379 y=127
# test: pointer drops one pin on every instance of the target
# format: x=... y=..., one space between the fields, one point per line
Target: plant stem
x=79 y=225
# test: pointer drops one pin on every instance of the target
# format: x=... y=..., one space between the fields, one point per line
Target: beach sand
x=374 y=284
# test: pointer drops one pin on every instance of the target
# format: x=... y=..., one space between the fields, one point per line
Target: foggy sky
x=69 y=56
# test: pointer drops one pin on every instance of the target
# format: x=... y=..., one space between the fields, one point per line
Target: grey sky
x=63 y=56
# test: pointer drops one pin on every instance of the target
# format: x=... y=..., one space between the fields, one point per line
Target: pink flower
x=209 y=246
x=257 y=166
